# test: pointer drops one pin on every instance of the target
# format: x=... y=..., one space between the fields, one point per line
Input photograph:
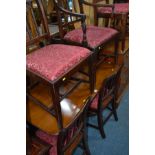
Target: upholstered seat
x=94 y=104
x=53 y=61
x=53 y=139
x=118 y=8
x=95 y=35
x=50 y=139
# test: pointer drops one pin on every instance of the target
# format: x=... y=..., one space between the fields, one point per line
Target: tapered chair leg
x=123 y=23
x=100 y=124
x=114 y=111
x=85 y=145
x=91 y=74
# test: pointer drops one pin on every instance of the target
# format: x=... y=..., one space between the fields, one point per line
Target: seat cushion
x=49 y=139
x=95 y=35
x=53 y=139
x=118 y=8
x=94 y=104
x=53 y=61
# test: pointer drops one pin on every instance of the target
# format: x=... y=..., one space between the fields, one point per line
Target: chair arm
x=83 y=24
x=83 y=16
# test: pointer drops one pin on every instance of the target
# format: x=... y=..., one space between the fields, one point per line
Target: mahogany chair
x=118 y=13
x=51 y=64
x=73 y=132
x=92 y=37
x=105 y=99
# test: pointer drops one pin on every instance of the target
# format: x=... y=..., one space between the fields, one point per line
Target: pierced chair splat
x=116 y=17
x=105 y=99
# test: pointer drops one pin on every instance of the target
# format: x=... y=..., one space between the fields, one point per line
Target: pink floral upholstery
x=52 y=61
x=94 y=104
x=95 y=35
x=118 y=8
x=50 y=139
x=108 y=59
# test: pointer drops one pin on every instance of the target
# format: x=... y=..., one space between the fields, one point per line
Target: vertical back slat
x=28 y=31
x=36 y=23
x=34 y=20
x=29 y=21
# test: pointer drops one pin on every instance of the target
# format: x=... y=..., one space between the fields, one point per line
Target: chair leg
x=116 y=50
x=91 y=74
x=85 y=145
x=100 y=124
x=56 y=102
x=123 y=24
x=114 y=111
x=85 y=139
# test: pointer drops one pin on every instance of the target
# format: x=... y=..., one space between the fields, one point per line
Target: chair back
x=66 y=17
x=37 y=30
x=109 y=88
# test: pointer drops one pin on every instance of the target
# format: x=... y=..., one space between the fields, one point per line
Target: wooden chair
x=73 y=132
x=91 y=37
x=118 y=14
x=105 y=97
x=52 y=64
x=46 y=122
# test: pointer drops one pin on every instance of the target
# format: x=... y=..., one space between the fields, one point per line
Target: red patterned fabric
x=50 y=139
x=95 y=35
x=54 y=60
x=108 y=59
x=94 y=104
x=118 y=8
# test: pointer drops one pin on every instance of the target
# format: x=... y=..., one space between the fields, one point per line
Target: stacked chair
x=105 y=99
x=53 y=65
x=58 y=119
x=118 y=13
x=91 y=37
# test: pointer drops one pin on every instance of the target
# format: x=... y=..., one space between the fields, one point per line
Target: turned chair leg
x=100 y=124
